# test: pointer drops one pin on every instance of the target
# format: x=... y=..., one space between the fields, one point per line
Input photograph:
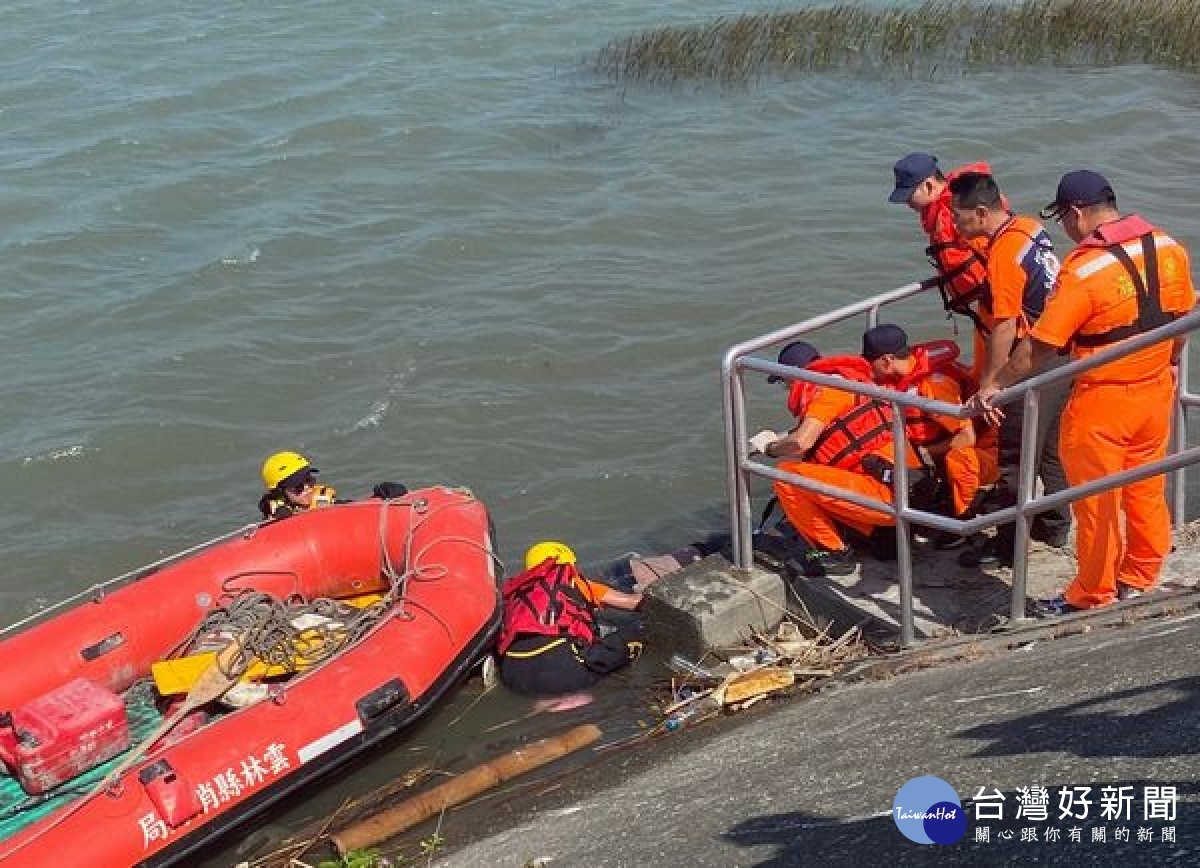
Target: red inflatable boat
x=103 y=769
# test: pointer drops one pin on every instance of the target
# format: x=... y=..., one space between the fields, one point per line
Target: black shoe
x=819 y=562
x=948 y=540
x=988 y=553
x=1055 y=538
x=882 y=544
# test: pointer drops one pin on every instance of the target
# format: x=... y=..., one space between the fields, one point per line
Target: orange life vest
x=1125 y=298
x=961 y=268
x=863 y=431
x=933 y=357
x=1150 y=313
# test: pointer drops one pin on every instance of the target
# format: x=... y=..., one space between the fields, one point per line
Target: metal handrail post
x=744 y=557
x=903 y=542
x=1026 y=479
x=1177 y=485
x=735 y=479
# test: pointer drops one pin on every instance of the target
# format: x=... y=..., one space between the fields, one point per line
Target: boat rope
x=415 y=567
x=278 y=633
x=397 y=581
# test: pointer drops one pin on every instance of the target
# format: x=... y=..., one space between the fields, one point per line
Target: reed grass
x=913 y=41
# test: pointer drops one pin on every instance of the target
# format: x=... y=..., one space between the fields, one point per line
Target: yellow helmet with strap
x=281 y=465
x=561 y=553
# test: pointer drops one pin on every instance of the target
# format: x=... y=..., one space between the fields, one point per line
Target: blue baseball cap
x=910 y=171
x=798 y=354
x=1081 y=187
x=883 y=340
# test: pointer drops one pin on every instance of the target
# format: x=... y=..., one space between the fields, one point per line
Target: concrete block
x=709 y=604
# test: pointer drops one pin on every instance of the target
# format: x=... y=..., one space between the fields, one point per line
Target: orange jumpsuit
x=967 y=467
x=814 y=515
x=1119 y=415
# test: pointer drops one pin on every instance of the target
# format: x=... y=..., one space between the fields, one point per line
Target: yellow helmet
x=561 y=553
x=281 y=465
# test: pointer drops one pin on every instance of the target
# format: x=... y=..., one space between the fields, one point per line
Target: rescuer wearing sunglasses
x=291 y=486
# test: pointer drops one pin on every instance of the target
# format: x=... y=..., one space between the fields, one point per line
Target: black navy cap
x=883 y=340
x=798 y=354
x=1081 y=187
x=910 y=171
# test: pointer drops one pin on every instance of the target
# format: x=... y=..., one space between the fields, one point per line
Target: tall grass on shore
x=913 y=41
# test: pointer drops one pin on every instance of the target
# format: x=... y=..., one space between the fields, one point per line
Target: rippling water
x=424 y=242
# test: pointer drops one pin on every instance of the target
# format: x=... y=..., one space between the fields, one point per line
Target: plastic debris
x=679 y=663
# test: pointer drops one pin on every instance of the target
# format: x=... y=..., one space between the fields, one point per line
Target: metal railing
x=739 y=466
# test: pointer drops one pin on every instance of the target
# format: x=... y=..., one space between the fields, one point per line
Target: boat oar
x=213 y=683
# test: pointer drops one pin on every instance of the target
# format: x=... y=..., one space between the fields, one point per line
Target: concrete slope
x=812 y=780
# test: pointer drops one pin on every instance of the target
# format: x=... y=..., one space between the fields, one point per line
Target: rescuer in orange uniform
x=947 y=444
x=958 y=261
x=1124 y=278
x=842 y=440
x=1021 y=268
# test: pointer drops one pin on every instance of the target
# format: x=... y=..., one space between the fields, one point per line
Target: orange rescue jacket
x=1150 y=313
x=933 y=357
x=962 y=269
x=1123 y=279
x=864 y=431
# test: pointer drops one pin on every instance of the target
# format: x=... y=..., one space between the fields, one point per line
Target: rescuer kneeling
x=842 y=440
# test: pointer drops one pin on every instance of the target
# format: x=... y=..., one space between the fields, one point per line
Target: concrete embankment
x=1102 y=699
x=1060 y=702
x=710 y=604
x=812 y=780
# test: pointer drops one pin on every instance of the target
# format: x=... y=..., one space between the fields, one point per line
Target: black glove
x=389 y=490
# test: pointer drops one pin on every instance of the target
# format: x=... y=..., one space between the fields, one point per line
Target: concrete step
x=711 y=604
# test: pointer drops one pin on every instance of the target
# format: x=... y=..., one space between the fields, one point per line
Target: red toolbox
x=63 y=734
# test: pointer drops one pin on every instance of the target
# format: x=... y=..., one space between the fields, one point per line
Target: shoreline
x=541 y=807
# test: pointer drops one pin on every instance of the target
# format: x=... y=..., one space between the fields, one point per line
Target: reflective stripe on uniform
x=1103 y=261
x=554 y=643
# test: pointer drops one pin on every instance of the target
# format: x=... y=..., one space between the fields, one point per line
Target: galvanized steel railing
x=739 y=466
